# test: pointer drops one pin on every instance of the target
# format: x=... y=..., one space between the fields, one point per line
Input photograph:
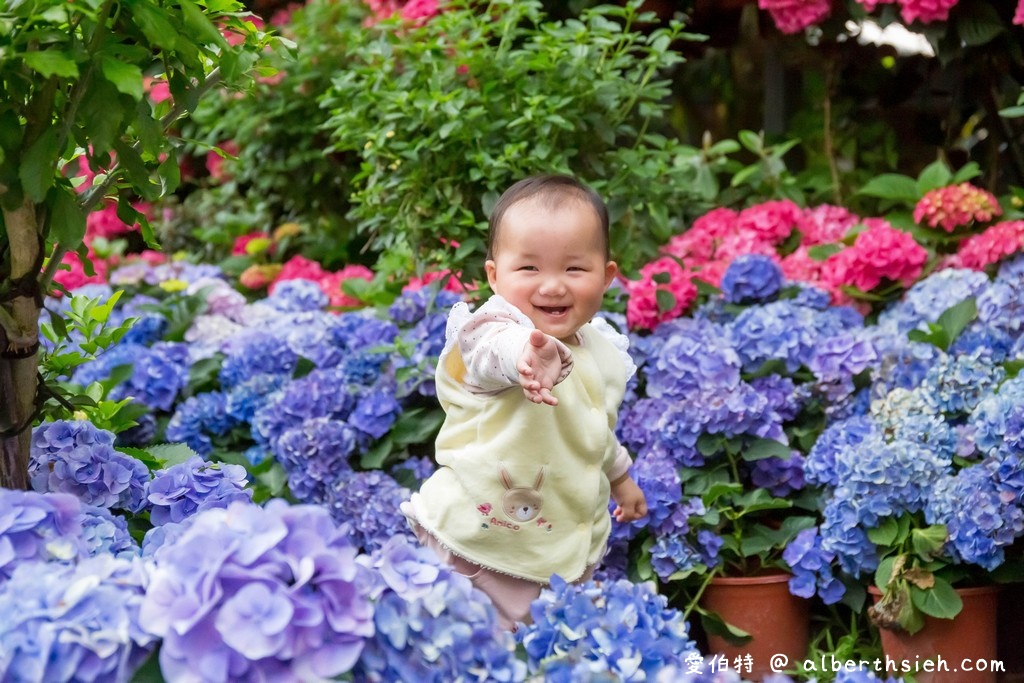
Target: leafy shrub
x=444 y=116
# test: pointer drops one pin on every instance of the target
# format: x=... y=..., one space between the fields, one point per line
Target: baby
x=531 y=384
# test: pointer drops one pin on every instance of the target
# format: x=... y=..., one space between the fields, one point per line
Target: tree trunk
x=19 y=339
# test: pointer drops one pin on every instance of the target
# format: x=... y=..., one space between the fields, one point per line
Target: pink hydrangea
x=926 y=11
x=331 y=285
x=956 y=205
x=993 y=245
x=693 y=244
x=105 y=223
x=825 y=224
x=643 y=311
x=1018 y=15
x=799 y=266
x=157 y=89
x=793 y=16
x=744 y=242
x=879 y=253
x=75 y=277
x=716 y=223
x=711 y=272
x=299 y=267
x=258 y=276
x=771 y=221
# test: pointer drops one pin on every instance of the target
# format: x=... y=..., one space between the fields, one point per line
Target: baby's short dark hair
x=554 y=190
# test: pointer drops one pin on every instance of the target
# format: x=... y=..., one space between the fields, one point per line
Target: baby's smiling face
x=550 y=263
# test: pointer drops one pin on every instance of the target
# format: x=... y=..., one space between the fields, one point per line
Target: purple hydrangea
x=76 y=622
x=198 y=417
x=106 y=533
x=183 y=490
x=751 y=278
x=412 y=306
x=621 y=629
x=367 y=502
x=779 y=476
x=158 y=376
x=296 y=296
x=375 y=413
x=257 y=352
x=259 y=593
x=432 y=624
x=956 y=384
x=315 y=456
x=38 y=526
x=72 y=456
x=812 y=568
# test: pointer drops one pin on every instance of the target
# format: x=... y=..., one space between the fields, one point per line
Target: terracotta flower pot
x=777 y=620
x=969 y=636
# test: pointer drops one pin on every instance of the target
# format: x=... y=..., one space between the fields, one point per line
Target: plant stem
x=700 y=591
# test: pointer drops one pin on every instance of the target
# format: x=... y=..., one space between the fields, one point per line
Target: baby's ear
x=611 y=269
x=492 y=272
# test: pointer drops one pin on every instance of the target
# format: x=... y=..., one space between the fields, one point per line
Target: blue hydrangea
x=73 y=622
x=139 y=435
x=779 y=476
x=375 y=413
x=257 y=352
x=901 y=364
x=295 y=296
x=751 y=278
x=38 y=526
x=431 y=624
x=247 y=397
x=265 y=593
x=690 y=356
x=321 y=393
x=368 y=503
x=956 y=384
x=183 y=490
x=198 y=417
x=411 y=307
x=419 y=469
x=72 y=456
x=623 y=628
x=362 y=331
x=315 y=456
x=1001 y=307
x=989 y=418
x=982 y=340
x=838 y=359
x=981 y=519
x=425 y=341
x=182 y=270
x=106 y=533
x=812 y=570
x=927 y=299
x=159 y=374
x=776 y=331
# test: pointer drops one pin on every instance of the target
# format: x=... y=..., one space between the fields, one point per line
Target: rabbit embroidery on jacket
x=519 y=502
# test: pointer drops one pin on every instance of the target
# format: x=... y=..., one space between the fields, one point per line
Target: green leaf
x=39 y=164
x=666 y=300
x=759 y=449
x=821 y=252
x=751 y=140
x=51 y=63
x=958 y=316
x=934 y=176
x=1012 y=112
x=155 y=24
x=928 y=542
x=892 y=186
x=67 y=220
x=979 y=24
x=127 y=78
x=200 y=26
x=714 y=625
x=169 y=454
x=885 y=533
x=940 y=601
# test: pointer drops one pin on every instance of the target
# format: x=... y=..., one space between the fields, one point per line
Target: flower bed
x=791 y=420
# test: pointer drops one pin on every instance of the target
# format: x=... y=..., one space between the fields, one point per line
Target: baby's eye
x=575 y=269
x=530 y=268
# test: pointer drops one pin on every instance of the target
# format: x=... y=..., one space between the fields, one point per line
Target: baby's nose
x=552 y=286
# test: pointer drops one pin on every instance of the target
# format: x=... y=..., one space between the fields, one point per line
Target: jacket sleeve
x=491 y=341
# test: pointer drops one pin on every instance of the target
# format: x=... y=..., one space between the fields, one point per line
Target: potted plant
x=923 y=490
x=725 y=404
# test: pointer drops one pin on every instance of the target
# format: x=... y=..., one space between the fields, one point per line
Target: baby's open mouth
x=554 y=310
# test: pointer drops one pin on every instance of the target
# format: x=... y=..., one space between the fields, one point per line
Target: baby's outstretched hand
x=630 y=500
x=539 y=368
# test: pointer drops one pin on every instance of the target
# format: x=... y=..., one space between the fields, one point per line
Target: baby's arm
x=630 y=501
x=540 y=368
